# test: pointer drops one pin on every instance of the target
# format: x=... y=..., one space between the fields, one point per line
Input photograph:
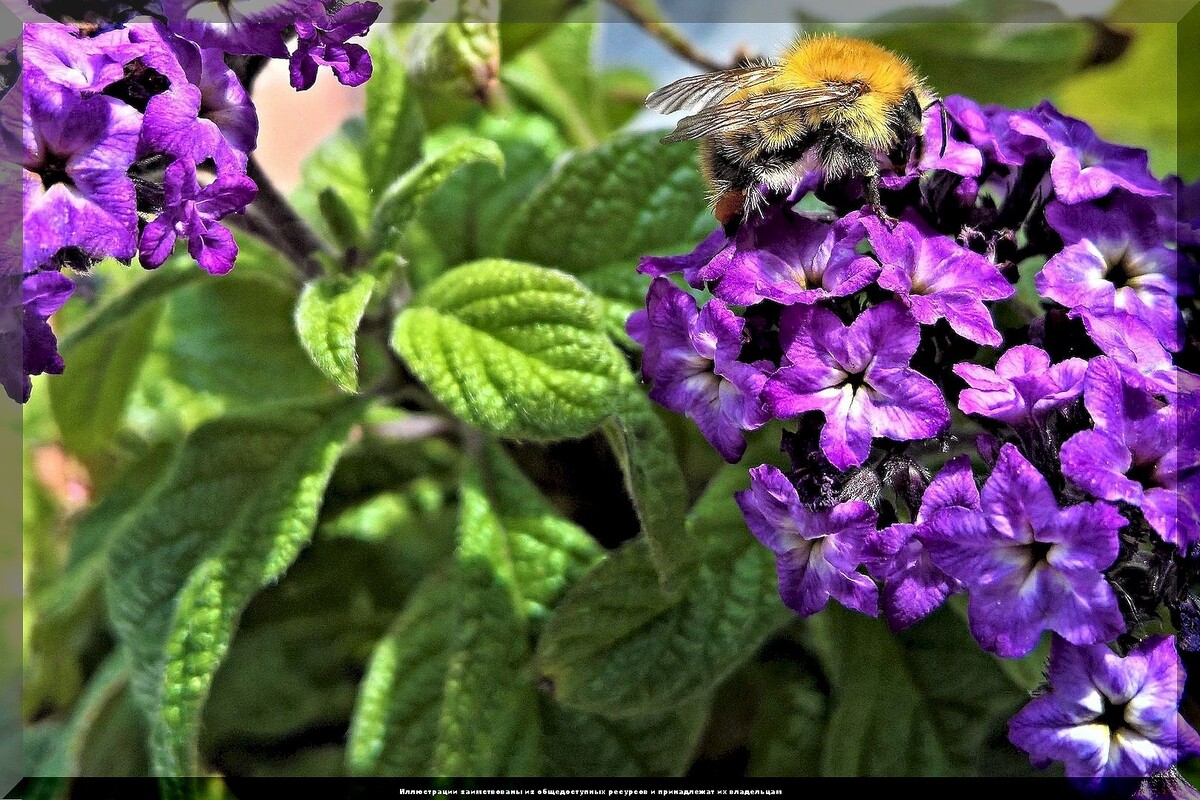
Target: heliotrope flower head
x=321 y=41
x=1114 y=260
x=913 y=587
x=817 y=551
x=1023 y=388
x=937 y=278
x=858 y=376
x=1084 y=166
x=1139 y=452
x=691 y=355
x=1029 y=566
x=1108 y=717
x=77 y=195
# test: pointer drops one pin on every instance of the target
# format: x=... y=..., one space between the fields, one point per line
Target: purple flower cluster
x=135 y=136
x=1071 y=508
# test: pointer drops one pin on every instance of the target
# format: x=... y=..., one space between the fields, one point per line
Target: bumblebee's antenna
x=941 y=104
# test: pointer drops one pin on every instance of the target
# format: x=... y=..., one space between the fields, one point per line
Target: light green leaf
x=239 y=503
x=327 y=318
x=646 y=452
x=104 y=355
x=925 y=702
x=405 y=195
x=631 y=196
x=580 y=745
x=625 y=89
x=338 y=164
x=513 y=349
x=448 y=690
x=507 y=523
x=394 y=128
x=619 y=645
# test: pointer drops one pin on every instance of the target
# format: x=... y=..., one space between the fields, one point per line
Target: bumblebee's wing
x=712 y=87
x=756 y=108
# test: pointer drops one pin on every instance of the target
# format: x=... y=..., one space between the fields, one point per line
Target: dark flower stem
x=285 y=230
x=667 y=34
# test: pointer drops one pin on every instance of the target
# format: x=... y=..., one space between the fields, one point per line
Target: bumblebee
x=829 y=102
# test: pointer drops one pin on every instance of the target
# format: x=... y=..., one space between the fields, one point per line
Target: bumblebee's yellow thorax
x=814 y=61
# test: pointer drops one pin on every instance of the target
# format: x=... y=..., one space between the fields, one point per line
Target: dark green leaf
x=340 y=218
x=789 y=724
x=239 y=503
x=327 y=318
x=513 y=349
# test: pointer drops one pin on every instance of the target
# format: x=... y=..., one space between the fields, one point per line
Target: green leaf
x=508 y=524
x=394 y=129
x=629 y=197
x=340 y=218
x=453 y=63
x=105 y=354
x=327 y=318
x=217 y=337
x=106 y=683
x=646 y=453
x=513 y=349
x=925 y=702
x=626 y=89
x=448 y=691
x=237 y=506
x=619 y=645
x=580 y=745
x=340 y=164
x=405 y=196
x=789 y=724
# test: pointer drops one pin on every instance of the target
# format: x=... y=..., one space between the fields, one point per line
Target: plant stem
x=667 y=34
x=289 y=233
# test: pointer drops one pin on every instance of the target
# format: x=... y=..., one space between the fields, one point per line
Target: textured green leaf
x=646 y=453
x=925 y=702
x=105 y=353
x=327 y=318
x=629 y=197
x=453 y=63
x=218 y=337
x=237 y=506
x=507 y=523
x=405 y=195
x=580 y=745
x=619 y=645
x=555 y=77
x=394 y=128
x=789 y=722
x=448 y=690
x=513 y=349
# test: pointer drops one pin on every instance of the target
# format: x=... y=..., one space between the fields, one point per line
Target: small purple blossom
x=1028 y=565
x=817 y=552
x=65 y=57
x=321 y=41
x=1084 y=166
x=1023 y=389
x=691 y=357
x=192 y=211
x=1106 y=716
x=1136 y=350
x=240 y=27
x=692 y=264
x=1114 y=261
x=938 y=279
x=913 y=587
x=858 y=376
x=43 y=293
x=1139 y=453
x=76 y=191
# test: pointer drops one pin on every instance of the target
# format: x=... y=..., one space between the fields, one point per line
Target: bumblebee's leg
x=841 y=155
x=732 y=178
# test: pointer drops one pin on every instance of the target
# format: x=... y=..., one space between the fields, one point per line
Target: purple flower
x=792 y=258
x=987 y=129
x=1168 y=785
x=1136 y=350
x=1023 y=389
x=938 y=278
x=817 y=552
x=692 y=264
x=858 y=377
x=42 y=294
x=1028 y=565
x=321 y=41
x=193 y=211
x=1180 y=211
x=913 y=586
x=76 y=191
x=240 y=27
x=65 y=57
x=1085 y=167
x=1140 y=452
x=1106 y=716
x=691 y=356
x=1114 y=261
